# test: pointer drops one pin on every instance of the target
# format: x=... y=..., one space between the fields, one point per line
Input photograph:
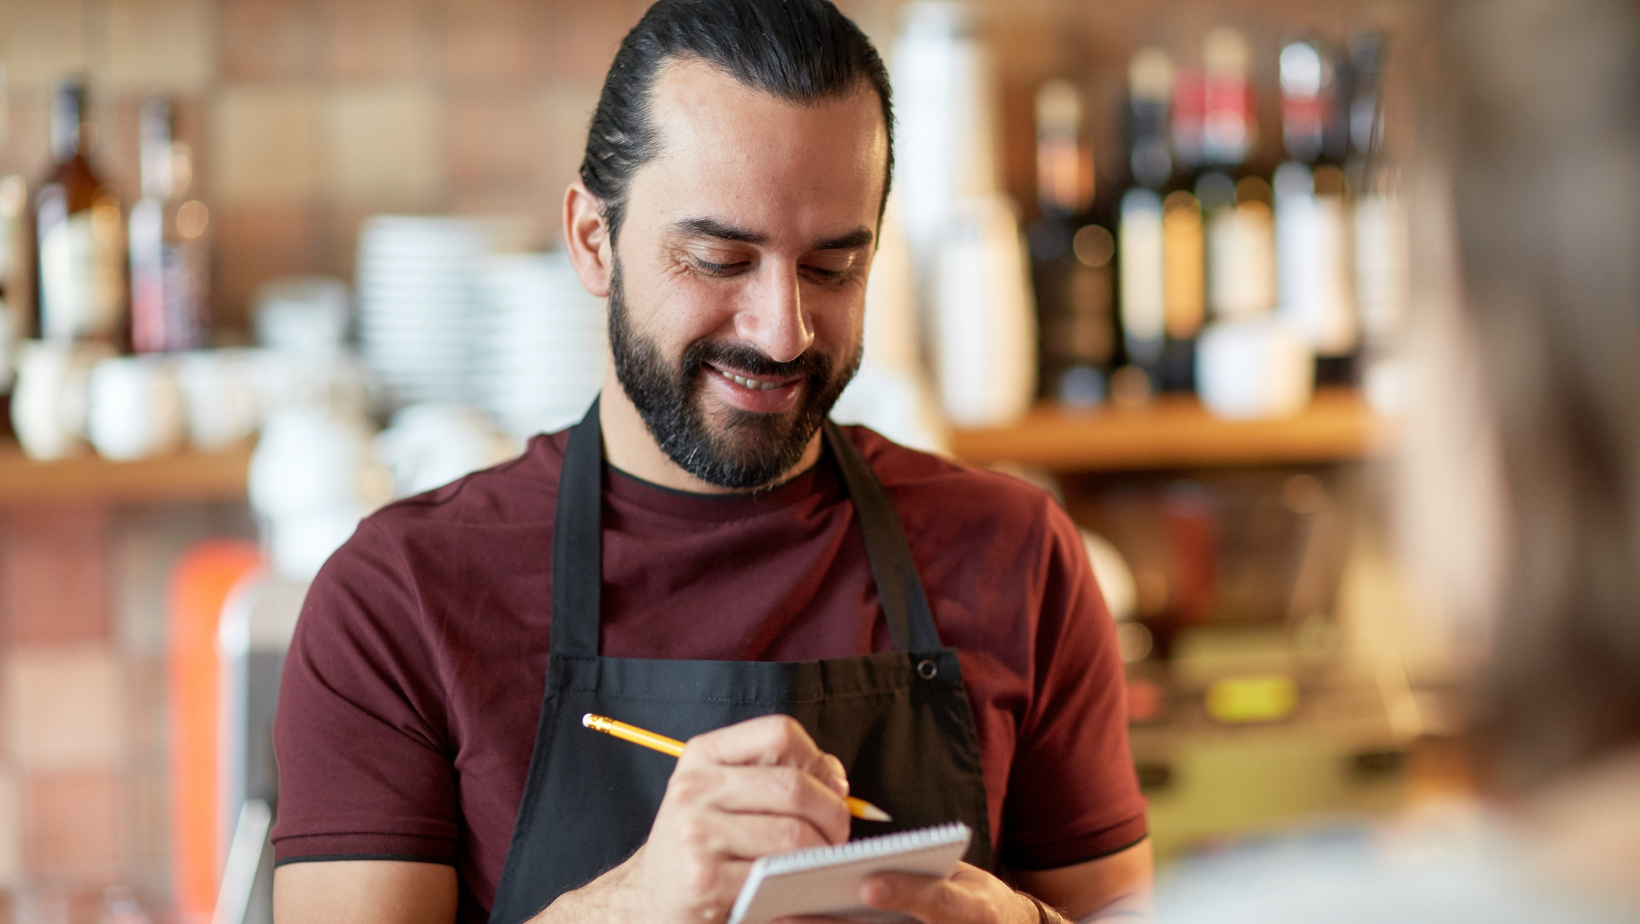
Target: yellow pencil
x=859 y=808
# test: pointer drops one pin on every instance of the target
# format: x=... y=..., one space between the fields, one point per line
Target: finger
x=784 y=791
x=832 y=773
x=747 y=837
x=926 y=898
x=770 y=739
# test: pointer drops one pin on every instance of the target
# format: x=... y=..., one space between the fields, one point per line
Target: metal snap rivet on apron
x=927 y=669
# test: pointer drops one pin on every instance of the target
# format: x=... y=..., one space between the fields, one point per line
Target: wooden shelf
x=1175 y=431
x=187 y=476
x=1172 y=432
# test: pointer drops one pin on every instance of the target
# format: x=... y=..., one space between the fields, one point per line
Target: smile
x=747 y=381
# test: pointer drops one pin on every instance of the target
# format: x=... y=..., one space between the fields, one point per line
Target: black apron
x=899 y=721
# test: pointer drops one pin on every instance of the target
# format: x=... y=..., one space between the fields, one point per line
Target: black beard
x=753 y=450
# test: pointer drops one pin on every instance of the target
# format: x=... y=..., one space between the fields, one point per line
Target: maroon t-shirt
x=411 y=692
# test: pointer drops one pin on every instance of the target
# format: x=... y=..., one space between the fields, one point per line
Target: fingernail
x=839 y=776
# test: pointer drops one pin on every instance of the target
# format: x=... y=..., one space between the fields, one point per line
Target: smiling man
x=818 y=611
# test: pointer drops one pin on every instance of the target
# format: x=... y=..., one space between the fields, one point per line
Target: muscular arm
x=364 y=892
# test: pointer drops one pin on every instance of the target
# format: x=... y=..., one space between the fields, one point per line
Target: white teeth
x=744 y=382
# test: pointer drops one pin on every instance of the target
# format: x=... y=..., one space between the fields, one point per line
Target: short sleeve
x=360 y=734
x=1073 y=795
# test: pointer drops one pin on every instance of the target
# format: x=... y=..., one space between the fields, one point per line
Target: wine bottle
x=1183 y=287
x=1312 y=209
x=1229 y=129
x=78 y=234
x=1227 y=133
x=1382 y=286
x=1141 y=261
x=169 y=260
x=1070 y=255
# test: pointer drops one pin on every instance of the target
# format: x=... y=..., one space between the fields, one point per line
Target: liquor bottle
x=1307 y=99
x=1141 y=262
x=169 y=260
x=1183 y=288
x=1227 y=134
x=78 y=234
x=1241 y=258
x=1070 y=255
x=1312 y=211
x=14 y=276
x=1382 y=286
x=1229 y=129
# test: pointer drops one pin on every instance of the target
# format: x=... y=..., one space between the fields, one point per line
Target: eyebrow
x=711 y=227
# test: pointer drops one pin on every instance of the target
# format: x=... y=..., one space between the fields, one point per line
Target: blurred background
x=268 y=264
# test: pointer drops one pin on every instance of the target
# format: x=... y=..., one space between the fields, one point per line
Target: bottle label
x=80 y=277
x=1142 y=273
x=68 y=279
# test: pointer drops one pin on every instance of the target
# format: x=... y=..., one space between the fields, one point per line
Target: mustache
x=747 y=358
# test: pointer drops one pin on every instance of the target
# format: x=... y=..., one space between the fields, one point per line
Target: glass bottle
x=1070 y=255
x=78 y=234
x=169 y=258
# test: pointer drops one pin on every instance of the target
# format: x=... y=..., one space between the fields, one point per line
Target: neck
x=630 y=447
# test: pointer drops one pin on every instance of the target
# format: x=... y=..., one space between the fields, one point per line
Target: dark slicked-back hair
x=802 y=51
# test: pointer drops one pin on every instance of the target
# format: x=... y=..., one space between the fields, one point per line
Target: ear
x=586 y=239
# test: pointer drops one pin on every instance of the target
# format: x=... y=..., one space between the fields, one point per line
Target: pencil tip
x=872 y=813
x=587 y=719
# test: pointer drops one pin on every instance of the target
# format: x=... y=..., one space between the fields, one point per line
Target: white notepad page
x=826 y=880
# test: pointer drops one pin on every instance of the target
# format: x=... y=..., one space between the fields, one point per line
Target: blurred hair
x=802 y=51
x=1542 y=126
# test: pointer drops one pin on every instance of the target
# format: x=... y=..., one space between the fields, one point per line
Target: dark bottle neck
x=68 y=125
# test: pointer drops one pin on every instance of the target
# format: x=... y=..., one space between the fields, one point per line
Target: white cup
x=1259 y=367
x=312 y=459
x=221 y=394
x=303 y=315
x=430 y=445
x=134 y=408
x=48 y=405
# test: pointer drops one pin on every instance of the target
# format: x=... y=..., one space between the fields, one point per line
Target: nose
x=771 y=316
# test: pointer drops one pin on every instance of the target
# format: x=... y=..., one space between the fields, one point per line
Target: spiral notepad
x=826 y=880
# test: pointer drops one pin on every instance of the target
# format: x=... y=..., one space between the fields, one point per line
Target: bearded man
x=818 y=611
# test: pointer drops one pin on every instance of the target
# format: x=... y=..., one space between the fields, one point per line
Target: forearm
x=1128 y=909
x=604 y=899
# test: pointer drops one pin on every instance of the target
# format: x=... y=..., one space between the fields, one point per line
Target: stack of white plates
x=419 y=311
x=544 y=343
x=417 y=304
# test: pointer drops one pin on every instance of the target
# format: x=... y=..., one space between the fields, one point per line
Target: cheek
x=838 y=319
x=673 y=307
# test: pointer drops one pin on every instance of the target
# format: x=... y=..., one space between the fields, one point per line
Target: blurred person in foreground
x=818 y=610
x=1520 y=493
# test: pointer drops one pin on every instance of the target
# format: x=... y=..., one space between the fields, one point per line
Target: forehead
x=729 y=151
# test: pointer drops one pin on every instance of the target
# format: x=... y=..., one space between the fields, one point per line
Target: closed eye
x=822 y=274
x=716 y=269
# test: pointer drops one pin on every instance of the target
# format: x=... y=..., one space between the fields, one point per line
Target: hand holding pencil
x=738 y=793
x=859 y=808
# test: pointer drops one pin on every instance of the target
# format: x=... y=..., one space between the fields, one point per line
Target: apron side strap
x=577 y=541
x=905 y=606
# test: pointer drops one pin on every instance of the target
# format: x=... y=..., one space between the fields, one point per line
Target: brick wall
x=82 y=746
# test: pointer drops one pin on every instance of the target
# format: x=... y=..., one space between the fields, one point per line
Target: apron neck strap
x=577 y=540
x=905 y=606
x=577 y=545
